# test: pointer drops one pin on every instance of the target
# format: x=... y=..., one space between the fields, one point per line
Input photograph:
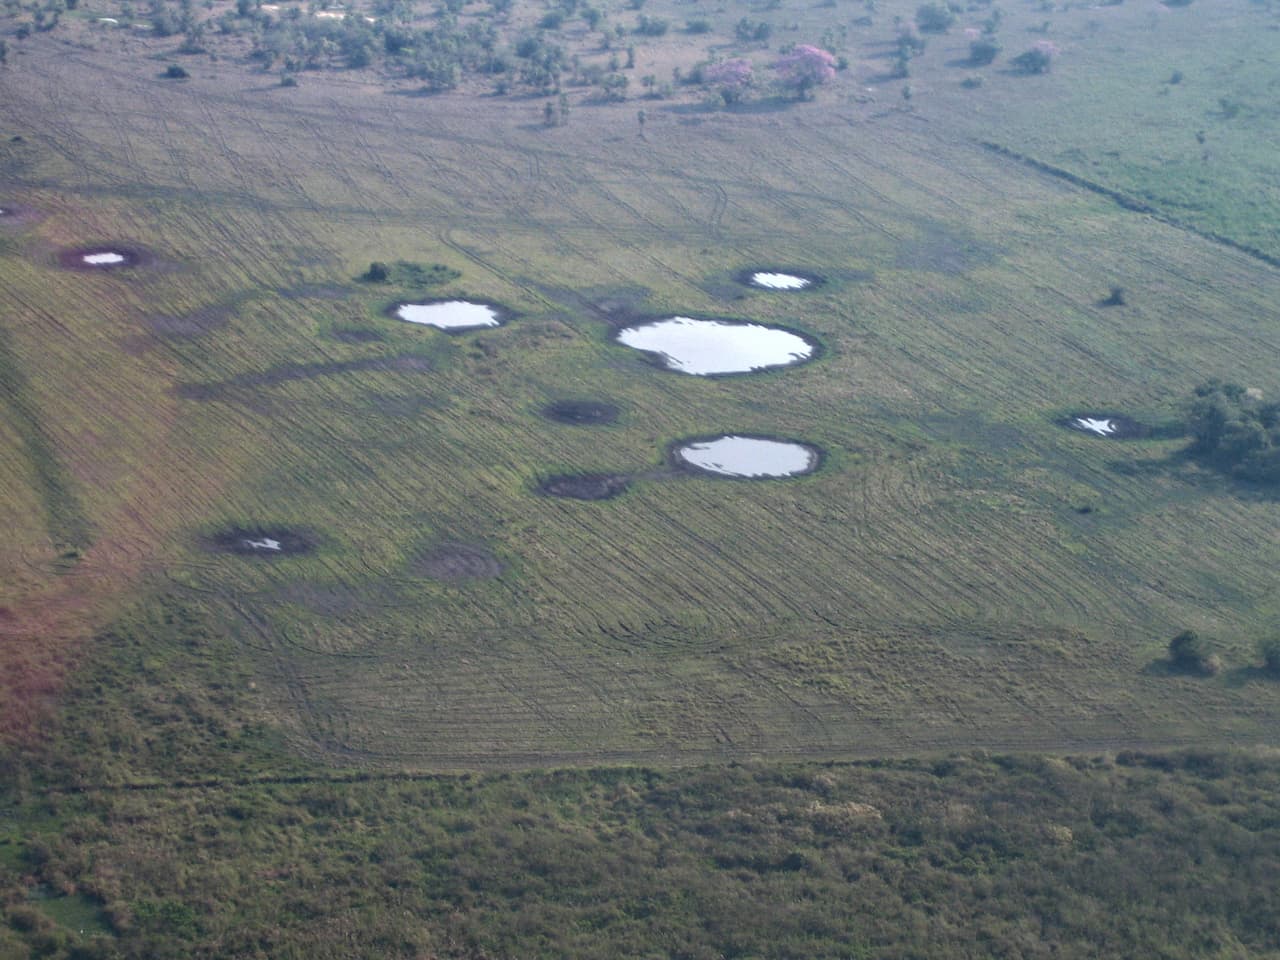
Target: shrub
x=1189 y=652
x=697 y=26
x=1269 y=652
x=1234 y=431
x=983 y=50
x=934 y=17
x=175 y=72
x=1036 y=60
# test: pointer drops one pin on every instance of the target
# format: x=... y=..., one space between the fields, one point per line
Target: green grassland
x=961 y=574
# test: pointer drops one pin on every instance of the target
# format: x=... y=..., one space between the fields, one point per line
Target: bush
x=935 y=18
x=1269 y=652
x=175 y=72
x=1036 y=60
x=1234 y=431
x=697 y=26
x=1190 y=653
x=983 y=50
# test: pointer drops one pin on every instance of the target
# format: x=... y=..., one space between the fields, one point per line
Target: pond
x=749 y=457
x=770 y=280
x=711 y=347
x=449 y=314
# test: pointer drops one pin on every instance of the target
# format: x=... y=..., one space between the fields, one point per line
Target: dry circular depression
x=581 y=412
x=716 y=347
x=746 y=457
x=1109 y=426
x=779 y=279
x=457 y=561
x=451 y=316
x=585 y=486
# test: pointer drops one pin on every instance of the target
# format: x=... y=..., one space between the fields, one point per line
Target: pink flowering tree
x=804 y=68
x=731 y=77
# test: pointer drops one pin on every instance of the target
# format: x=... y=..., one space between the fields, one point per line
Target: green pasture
x=963 y=571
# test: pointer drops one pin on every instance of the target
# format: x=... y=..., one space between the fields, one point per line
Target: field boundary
x=1126 y=201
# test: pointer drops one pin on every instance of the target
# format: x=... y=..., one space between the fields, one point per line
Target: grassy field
x=962 y=574
x=935 y=585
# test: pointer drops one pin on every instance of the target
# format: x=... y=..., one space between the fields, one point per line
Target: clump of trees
x=1235 y=431
x=804 y=68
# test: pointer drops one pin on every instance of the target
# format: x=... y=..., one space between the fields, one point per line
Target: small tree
x=378 y=272
x=1190 y=653
x=1269 y=651
x=935 y=17
x=983 y=50
x=804 y=68
x=1036 y=60
x=732 y=78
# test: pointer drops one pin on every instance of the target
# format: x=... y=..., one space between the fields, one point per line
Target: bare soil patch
x=585 y=486
x=457 y=561
x=262 y=541
x=581 y=412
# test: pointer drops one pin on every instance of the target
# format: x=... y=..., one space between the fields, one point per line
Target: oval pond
x=749 y=457
x=449 y=314
x=709 y=347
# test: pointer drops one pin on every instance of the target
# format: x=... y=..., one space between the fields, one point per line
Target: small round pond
x=1110 y=426
x=783 y=280
x=450 y=315
x=712 y=347
x=748 y=457
x=99 y=258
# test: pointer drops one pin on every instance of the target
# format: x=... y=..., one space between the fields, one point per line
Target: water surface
x=708 y=347
x=754 y=457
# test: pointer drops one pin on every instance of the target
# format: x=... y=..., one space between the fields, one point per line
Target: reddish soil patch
x=585 y=486
x=458 y=561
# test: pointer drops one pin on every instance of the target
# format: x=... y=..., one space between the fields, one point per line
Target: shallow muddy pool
x=449 y=314
x=709 y=347
x=749 y=457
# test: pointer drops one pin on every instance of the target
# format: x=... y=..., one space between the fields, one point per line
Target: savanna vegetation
x=300 y=660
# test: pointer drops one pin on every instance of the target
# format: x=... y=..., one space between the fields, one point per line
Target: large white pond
x=779 y=281
x=754 y=457
x=449 y=314
x=708 y=347
x=104 y=258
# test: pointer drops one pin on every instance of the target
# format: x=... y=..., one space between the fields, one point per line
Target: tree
x=983 y=50
x=732 y=78
x=935 y=17
x=1036 y=60
x=378 y=272
x=804 y=68
x=1190 y=653
x=1269 y=651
